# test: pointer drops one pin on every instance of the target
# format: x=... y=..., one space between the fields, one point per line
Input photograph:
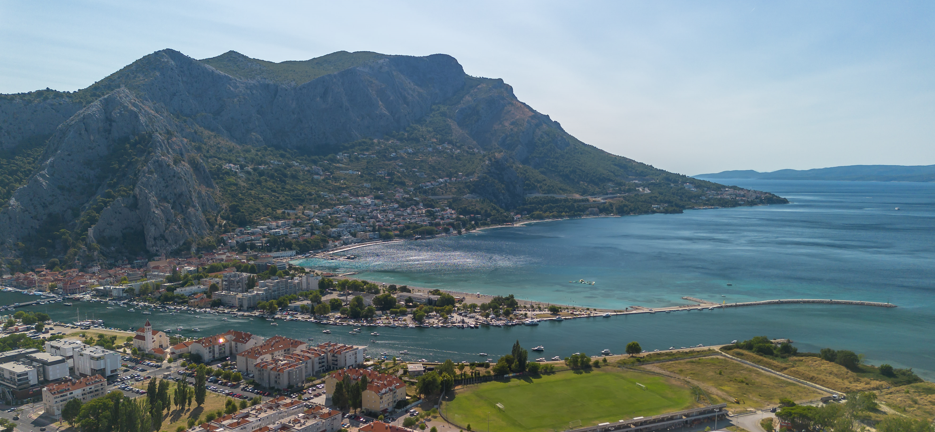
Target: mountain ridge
x=886 y=173
x=170 y=149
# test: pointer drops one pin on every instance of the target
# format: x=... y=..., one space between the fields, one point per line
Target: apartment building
x=254 y=418
x=55 y=396
x=274 y=347
x=92 y=361
x=383 y=391
x=223 y=345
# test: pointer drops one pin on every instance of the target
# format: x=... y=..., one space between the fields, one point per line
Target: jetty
x=805 y=301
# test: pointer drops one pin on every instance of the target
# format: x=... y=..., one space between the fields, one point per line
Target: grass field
x=914 y=400
x=816 y=370
x=175 y=418
x=551 y=402
x=750 y=387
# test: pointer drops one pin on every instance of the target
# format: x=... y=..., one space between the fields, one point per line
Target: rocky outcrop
x=33 y=116
x=367 y=101
x=87 y=160
x=168 y=100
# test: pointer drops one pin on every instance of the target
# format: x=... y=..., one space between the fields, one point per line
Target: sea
x=868 y=241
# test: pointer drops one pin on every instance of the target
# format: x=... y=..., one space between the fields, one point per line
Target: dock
x=805 y=301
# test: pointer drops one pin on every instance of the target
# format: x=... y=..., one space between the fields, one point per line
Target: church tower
x=148 y=335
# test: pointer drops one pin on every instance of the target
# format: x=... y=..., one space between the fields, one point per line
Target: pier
x=805 y=301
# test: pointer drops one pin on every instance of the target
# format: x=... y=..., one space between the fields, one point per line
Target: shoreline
x=324 y=254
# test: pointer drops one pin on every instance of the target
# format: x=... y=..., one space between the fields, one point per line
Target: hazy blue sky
x=687 y=86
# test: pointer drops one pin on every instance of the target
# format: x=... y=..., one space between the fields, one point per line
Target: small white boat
x=556 y=358
x=606 y=352
x=326 y=331
x=273 y=324
x=404 y=352
x=539 y=348
x=483 y=354
x=606 y=315
x=196 y=329
x=374 y=334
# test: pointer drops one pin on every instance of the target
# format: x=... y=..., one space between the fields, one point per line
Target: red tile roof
x=75 y=385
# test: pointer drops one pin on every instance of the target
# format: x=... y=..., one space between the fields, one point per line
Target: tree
x=201 y=381
x=96 y=415
x=181 y=393
x=230 y=406
x=802 y=417
x=322 y=309
x=163 y=394
x=339 y=397
x=39 y=327
x=429 y=384
x=828 y=354
x=554 y=309
x=418 y=316
x=157 y=415
x=519 y=358
x=71 y=410
x=848 y=359
x=335 y=304
x=152 y=392
x=634 y=348
x=887 y=370
x=445 y=299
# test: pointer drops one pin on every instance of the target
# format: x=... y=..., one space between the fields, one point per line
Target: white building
x=189 y=290
x=48 y=367
x=55 y=396
x=18 y=376
x=96 y=361
x=65 y=348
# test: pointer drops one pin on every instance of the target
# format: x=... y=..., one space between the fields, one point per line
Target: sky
x=687 y=86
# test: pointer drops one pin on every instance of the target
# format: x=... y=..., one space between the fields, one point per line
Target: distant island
x=885 y=173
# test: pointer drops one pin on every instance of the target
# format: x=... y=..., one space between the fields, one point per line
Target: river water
x=841 y=240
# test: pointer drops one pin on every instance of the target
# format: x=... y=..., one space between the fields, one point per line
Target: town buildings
x=229 y=343
x=84 y=360
x=55 y=396
x=277 y=415
x=92 y=361
x=151 y=341
x=383 y=391
x=288 y=362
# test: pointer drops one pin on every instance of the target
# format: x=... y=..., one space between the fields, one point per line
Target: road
x=751 y=422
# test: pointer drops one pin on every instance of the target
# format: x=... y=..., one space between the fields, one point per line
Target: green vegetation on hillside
x=17 y=165
x=785 y=353
x=297 y=72
x=741 y=386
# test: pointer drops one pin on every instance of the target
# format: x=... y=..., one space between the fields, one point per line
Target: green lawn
x=550 y=403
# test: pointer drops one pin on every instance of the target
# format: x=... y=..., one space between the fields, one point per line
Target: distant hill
x=171 y=150
x=885 y=173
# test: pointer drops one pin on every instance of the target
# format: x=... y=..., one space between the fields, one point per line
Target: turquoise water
x=842 y=240
x=836 y=240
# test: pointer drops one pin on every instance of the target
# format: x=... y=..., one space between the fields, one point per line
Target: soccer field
x=553 y=402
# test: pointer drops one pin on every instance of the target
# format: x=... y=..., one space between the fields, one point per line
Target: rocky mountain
x=148 y=160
